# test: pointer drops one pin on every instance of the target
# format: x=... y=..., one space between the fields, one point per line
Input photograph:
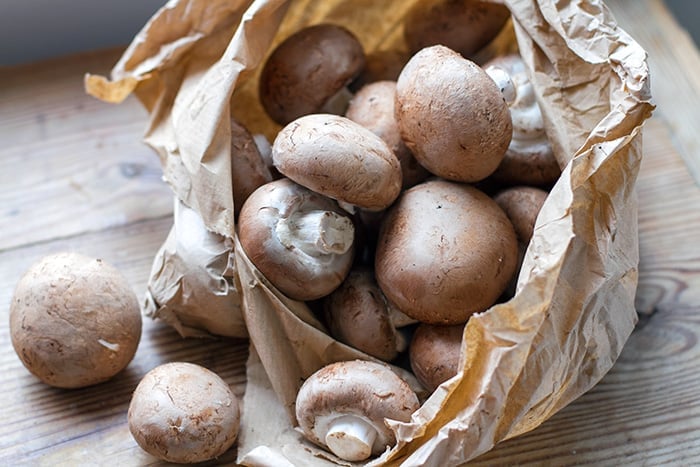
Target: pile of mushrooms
x=409 y=187
x=399 y=195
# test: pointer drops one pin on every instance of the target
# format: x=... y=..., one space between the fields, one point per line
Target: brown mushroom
x=310 y=70
x=182 y=412
x=529 y=159
x=301 y=241
x=522 y=204
x=462 y=25
x=340 y=159
x=445 y=251
x=373 y=108
x=343 y=407
x=357 y=314
x=434 y=353
x=248 y=168
x=451 y=115
x=74 y=320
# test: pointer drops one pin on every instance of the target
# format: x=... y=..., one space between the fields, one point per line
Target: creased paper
x=193 y=285
x=195 y=64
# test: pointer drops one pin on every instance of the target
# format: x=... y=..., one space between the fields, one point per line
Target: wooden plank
x=646 y=410
x=68 y=163
x=49 y=426
x=674 y=64
x=669 y=226
x=45 y=100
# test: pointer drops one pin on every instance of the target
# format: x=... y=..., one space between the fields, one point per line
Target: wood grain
x=68 y=163
x=75 y=176
x=646 y=410
x=674 y=64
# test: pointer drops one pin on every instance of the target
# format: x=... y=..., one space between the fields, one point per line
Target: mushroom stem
x=504 y=83
x=351 y=438
x=316 y=232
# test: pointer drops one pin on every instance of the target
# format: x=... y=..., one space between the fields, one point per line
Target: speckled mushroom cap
x=338 y=158
x=445 y=251
x=302 y=242
x=465 y=26
x=307 y=69
x=434 y=353
x=357 y=314
x=529 y=159
x=367 y=390
x=74 y=320
x=248 y=169
x=373 y=108
x=522 y=204
x=452 y=115
x=184 y=413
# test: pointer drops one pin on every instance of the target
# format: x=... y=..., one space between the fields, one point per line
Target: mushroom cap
x=357 y=314
x=434 y=353
x=373 y=108
x=273 y=233
x=307 y=69
x=248 y=169
x=182 y=412
x=340 y=159
x=452 y=115
x=465 y=26
x=445 y=251
x=368 y=390
x=74 y=320
x=529 y=159
x=522 y=204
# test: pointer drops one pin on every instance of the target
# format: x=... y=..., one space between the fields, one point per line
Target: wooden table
x=75 y=176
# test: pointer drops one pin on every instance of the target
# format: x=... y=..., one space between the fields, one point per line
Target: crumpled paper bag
x=193 y=285
x=195 y=63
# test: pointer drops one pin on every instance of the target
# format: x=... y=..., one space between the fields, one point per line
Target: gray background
x=32 y=30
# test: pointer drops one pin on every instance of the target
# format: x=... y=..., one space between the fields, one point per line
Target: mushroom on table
x=182 y=412
x=75 y=321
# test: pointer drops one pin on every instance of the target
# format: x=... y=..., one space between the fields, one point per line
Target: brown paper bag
x=196 y=62
x=193 y=284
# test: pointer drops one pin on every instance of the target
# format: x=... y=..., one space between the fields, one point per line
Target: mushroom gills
x=316 y=232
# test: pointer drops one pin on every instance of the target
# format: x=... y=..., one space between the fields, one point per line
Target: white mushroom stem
x=504 y=83
x=349 y=208
x=316 y=232
x=401 y=340
x=351 y=438
x=338 y=103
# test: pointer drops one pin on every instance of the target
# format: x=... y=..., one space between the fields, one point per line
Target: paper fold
x=196 y=63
